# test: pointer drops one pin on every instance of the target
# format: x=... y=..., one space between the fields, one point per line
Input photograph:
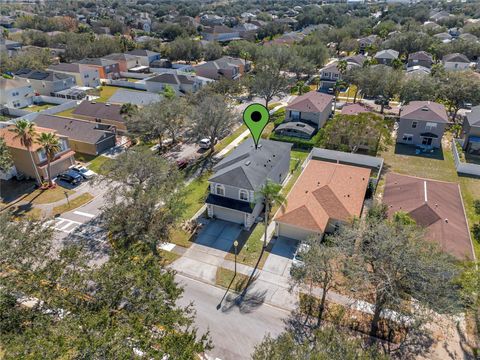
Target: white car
x=83 y=171
x=297 y=260
x=205 y=143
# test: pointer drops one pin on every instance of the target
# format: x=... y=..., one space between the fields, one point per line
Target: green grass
x=272 y=105
x=84 y=158
x=222 y=144
x=167 y=257
x=97 y=164
x=36 y=108
x=47 y=196
x=228 y=279
x=73 y=204
x=437 y=169
x=181 y=238
x=196 y=193
x=350 y=93
x=106 y=92
x=67 y=113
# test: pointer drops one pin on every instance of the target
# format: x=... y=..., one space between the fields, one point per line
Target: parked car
x=83 y=171
x=71 y=177
x=297 y=257
x=182 y=163
x=205 y=143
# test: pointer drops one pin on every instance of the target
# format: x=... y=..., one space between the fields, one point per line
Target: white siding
x=292 y=232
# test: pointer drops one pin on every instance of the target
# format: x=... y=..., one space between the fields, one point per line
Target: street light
x=66 y=195
x=235 y=244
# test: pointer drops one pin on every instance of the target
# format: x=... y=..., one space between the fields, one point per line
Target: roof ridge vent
x=248 y=162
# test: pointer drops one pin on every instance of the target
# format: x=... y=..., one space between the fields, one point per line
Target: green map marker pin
x=256 y=117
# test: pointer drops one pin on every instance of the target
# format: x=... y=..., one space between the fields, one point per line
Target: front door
x=427 y=141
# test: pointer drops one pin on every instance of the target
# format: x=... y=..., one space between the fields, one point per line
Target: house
x=420 y=58
x=220 y=33
x=306 y=114
x=84 y=136
x=355 y=109
x=455 y=62
x=46 y=82
x=84 y=75
x=107 y=69
x=365 y=42
x=228 y=67
x=145 y=57
x=22 y=158
x=422 y=123
x=125 y=61
x=439 y=15
x=443 y=37
x=181 y=83
x=104 y=113
x=471 y=132
x=15 y=93
x=386 y=57
x=355 y=60
x=9 y=47
x=289 y=38
x=238 y=178
x=139 y=98
x=329 y=76
x=325 y=196
x=468 y=37
x=436 y=206
x=417 y=70
x=211 y=20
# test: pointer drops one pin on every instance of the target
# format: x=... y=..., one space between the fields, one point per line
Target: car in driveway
x=297 y=260
x=83 y=171
x=71 y=177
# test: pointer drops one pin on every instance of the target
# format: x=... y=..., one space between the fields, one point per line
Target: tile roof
x=12 y=141
x=424 y=111
x=325 y=191
x=312 y=101
x=99 y=110
x=435 y=205
x=79 y=130
x=249 y=168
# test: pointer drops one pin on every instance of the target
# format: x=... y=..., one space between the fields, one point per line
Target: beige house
x=22 y=158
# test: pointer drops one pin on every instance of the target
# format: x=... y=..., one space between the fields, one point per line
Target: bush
x=476 y=206
x=298 y=142
x=476 y=232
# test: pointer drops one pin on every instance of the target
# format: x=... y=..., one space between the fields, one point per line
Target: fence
x=138 y=76
x=462 y=167
x=39 y=99
x=126 y=84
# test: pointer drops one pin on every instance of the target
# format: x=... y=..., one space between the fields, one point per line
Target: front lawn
x=72 y=204
x=229 y=280
x=181 y=237
x=106 y=92
x=222 y=144
x=98 y=164
x=167 y=257
x=196 y=192
x=47 y=196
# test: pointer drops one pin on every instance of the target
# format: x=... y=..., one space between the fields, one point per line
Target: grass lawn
x=36 y=108
x=350 y=93
x=106 y=92
x=84 y=158
x=250 y=247
x=98 y=163
x=67 y=113
x=196 y=192
x=47 y=196
x=168 y=257
x=438 y=168
x=227 y=279
x=28 y=212
x=181 y=238
x=74 y=203
x=272 y=105
x=222 y=144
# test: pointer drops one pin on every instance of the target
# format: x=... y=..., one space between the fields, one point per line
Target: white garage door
x=234 y=216
x=293 y=232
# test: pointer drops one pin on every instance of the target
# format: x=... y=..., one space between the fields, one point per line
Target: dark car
x=183 y=163
x=71 y=177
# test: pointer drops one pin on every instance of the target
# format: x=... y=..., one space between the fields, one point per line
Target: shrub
x=476 y=232
x=476 y=206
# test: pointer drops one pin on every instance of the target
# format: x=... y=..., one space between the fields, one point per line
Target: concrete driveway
x=219 y=234
x=280 y=259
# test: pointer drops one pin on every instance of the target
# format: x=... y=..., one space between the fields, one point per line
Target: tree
x=352 y=132
x=270 y=194
x=51 y=145
x=128 y=110
x=25 y=131
x=417 y=88
x=394 y=264
x=144 y=202
x=327 y=343
x=267 y=82
x=212 y=116
x=212 y=51
x=354 y=76
x=5 y=157
x=184 y=49
x=243 y=49
x=321 y=263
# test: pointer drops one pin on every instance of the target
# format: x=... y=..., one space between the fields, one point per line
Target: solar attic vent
x=248 y=162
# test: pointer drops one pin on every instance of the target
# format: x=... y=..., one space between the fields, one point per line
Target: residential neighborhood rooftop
x=311 y=102
x=426 y=111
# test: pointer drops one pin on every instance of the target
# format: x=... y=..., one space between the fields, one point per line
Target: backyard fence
x=126 y=84
x=463 y=167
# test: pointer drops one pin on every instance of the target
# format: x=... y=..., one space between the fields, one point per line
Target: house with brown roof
x=107 y=69
x=104 y=113
x=325 y=196
x=456 y=62
x=436 y=206
x=22 y=158
x=125 y=61
x=355 y=109
x=227 y=66
x=84 y=75
x=306 y=114
x=85 y=137
x=422 y=123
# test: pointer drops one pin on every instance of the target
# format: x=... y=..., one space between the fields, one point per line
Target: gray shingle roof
x=387 y=54
x=473 y=117
x=140 y=98
x=249 y=168
x=41 y=75
x=456 y=57
x=142 y=52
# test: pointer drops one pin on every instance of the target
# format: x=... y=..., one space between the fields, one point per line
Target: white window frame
x=406 y=136
x=429 y=126
x=219 y=186
x=247 y=195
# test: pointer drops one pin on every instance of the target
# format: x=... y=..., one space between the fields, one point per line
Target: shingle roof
x=66 y=67
x=119 y=56
x=325 y=191
x=387 y=54
x=312 y=101
x=435 y=205
x=12 y=83
x=97 y=62
x=420 y=55
x=249 y=168
x=473 y=117
x=456 y=57
x=99 y=110
x=80 y=130
x=41 y=75
x=174 y=79
x=425 y=111
x=141 y=98
x=142 y=52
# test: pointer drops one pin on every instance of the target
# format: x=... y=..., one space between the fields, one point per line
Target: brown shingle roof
x=325 y=191
x=435 y=205
x=312 y=101
x=354 y=109
x=99 y=110
x=425 y=111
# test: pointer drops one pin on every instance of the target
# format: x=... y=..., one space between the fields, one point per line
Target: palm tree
x=51 y=145
x=271 y=196
x=25 y=131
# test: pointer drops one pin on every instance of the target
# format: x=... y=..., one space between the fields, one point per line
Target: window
x=243 y=195
x=407 y=138
x=86 y=76
x=414 y=124
x=42 y=156
x=335 y=75
x=219 y=190
x=430 y=126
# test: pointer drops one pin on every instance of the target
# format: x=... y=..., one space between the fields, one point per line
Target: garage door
x=293 y=232
x=234 y=216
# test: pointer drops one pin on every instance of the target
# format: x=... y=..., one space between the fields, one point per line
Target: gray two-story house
x=422 y=123
x=420 y=58
x=386 y=57
x=237 y=179
x=471 y=132
x=15 y=93
x=47 y=82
